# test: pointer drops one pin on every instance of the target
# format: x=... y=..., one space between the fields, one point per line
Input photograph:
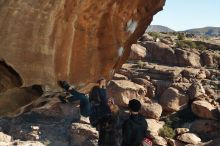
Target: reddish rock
x=79 y=41
x=71 y=40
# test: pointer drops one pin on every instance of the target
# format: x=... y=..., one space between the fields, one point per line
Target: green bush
x=186 y=44
x=181 y=36
x=201 y=47
x=155 y=35
x=140 y=64
x=167 y=131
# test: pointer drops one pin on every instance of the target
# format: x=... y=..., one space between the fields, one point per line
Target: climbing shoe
x=63 y=84
x=62 y=99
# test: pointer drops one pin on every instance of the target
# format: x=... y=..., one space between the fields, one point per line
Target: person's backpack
x=109 y=131
x=147 y=142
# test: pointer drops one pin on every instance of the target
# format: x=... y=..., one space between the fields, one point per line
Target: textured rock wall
x=74 y=40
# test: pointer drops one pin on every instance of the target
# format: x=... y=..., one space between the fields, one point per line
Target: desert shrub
x=180 y=44
x=167 y=131
x=186 y=44
x=201 y=47
x=140 y=64
x=155 y=35
x=181 y=36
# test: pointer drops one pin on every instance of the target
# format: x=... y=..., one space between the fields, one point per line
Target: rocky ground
x=176 y=81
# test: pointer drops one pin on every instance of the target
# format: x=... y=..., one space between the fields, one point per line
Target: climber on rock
x=93 y=106
x=75 y=95
x=99 y=102
x=134 y=129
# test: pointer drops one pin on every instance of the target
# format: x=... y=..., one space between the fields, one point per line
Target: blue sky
x=186 y=14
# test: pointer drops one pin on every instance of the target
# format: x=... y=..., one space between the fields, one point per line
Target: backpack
x=109 y=131
x=147 y=142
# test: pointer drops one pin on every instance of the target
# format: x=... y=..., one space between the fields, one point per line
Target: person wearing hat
x=134 y=129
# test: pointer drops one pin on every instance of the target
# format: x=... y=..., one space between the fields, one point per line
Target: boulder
x=203 y=109
x=160 y=52
x=17 y=100
x=190 y=73
x=154 y=126
x=147 y=85
x=138 y=52
x=188 y=58
x=181 y=130
x=83 y=134
x=172 y=100
x=206 y=129
x=196 y=90
x=122 y=91
x=119 y=77
x=5 y=138
x=146 y=37
x=160 y=141
x=210 y=59
x=161 y=86
x=151 y=110
x=189 y=138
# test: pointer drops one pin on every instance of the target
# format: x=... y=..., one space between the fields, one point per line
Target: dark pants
x=85 y=109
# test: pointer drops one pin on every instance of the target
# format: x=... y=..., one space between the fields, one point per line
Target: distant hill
x=159 y=28
x=209 y=31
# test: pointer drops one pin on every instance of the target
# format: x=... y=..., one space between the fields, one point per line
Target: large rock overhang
x=74 y=40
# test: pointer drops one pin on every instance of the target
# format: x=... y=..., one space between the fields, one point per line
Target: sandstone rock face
x=73 y=40
x=77 y=41
x=172 y=100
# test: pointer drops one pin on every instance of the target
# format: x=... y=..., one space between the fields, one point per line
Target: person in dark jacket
x=87 y=102
x=134 y=129
x=98 y=102
x=109 y=127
